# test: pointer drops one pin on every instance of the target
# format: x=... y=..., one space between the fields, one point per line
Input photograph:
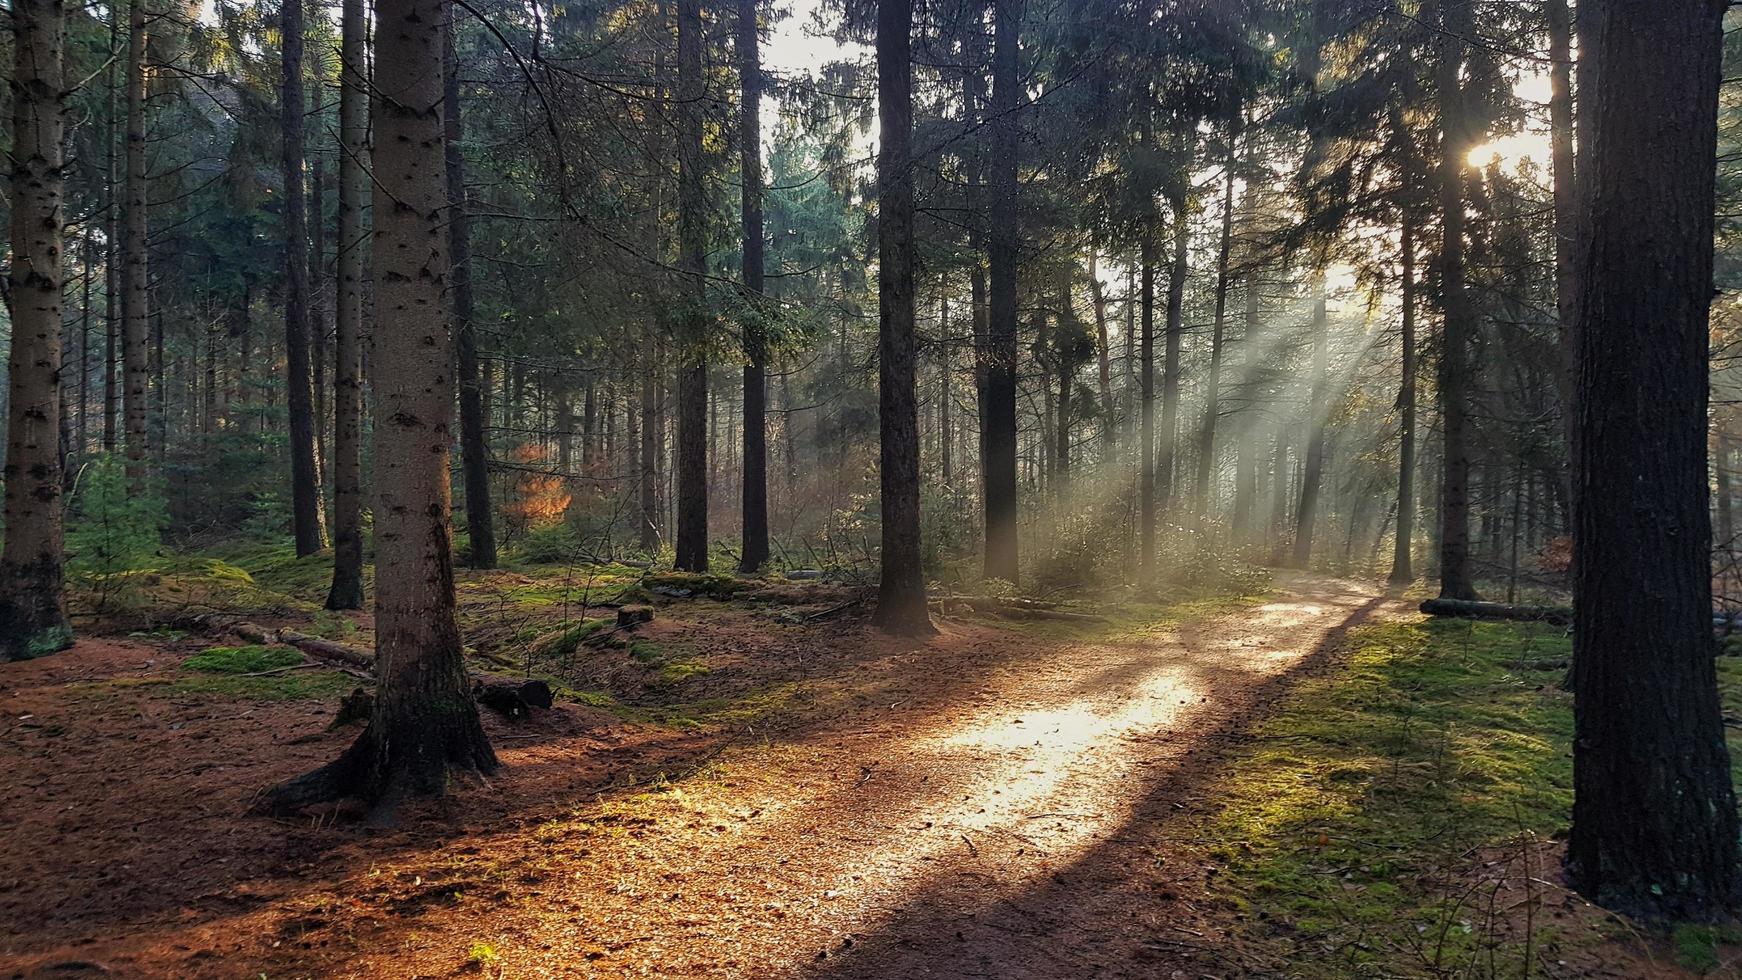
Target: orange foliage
x=535 y=499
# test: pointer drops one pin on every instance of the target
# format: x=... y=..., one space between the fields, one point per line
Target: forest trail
x=1013 y=808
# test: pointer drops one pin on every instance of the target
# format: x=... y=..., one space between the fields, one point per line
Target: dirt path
x=971 y=807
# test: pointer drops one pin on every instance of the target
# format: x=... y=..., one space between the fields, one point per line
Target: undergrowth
x=1395 y=816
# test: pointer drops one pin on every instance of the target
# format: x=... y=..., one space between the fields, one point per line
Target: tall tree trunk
x=305 y=491
x=1246 y=443
x=1213 y=378
x=1456 y=581
x=649 y=366
x=1306 y=516
x=1146 y=439
x=424 y=727
x=946 y=434
x=999 y=458
x=474 y=451
x=87 y=257
x=901 y=604
x=1170 y=366
x=317 y=316
x=1104 y=356
x=692 y=389
x=114 y=126
x=347 y=587
x=135 y=300
x=33 y=615
x=755 y=468
x=1560 y=110
x=1654 y=815
x=1401 y=571
x=1064 y=344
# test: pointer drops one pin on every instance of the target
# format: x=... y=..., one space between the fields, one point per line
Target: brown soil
x=986 y=803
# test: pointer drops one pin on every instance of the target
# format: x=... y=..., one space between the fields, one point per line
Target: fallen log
x=1474 y=609
x=1555 y=615
x=1022 y=609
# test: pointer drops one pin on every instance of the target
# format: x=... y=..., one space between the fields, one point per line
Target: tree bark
x=1213 y=378
x=1306 y=516
x=33 y=616
x=901 y=607
x=114 y=126
x=1402 y=573
x=998 y=483
x=1146 y=409
x=1170 y=366
x=692 y=389
x=305 y=491
x=1654 y=815
x=135 y=300
x=1456 y=581
x=424 y=729
x=474 y=451
x=755 y=467
x=347 y=586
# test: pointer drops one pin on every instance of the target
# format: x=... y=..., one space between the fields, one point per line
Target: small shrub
x=112 y=532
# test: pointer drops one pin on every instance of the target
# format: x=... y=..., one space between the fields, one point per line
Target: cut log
x=1470 y=609
x=629 y=616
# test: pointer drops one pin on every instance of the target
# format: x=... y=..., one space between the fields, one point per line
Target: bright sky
x=794 y=45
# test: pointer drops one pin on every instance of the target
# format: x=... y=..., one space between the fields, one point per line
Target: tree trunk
x=1104 y=356
x=424 y=728
x=305 y=491
x=347 y=587
x=474 y=451
x=1146 y=409
x=1306 y=516
x=1213 y=379
x=1560 y=110
x=135 y=300
x=901 y=604
x=33 y=616
x=112 y=255
x=755 y=467
x=1401 y=571
x=1246 y=442
x=1170 y=367
x=692 y=389
x=648 y=477
x=999 y=482
x=1454 y=387
x=1654 y=815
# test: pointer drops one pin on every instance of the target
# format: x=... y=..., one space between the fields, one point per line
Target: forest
x=871 y=488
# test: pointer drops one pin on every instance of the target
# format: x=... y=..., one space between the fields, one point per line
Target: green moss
x=670 y=662
x=565 y=641
x=295 y=685
x=1376 y=779
x=241 y=660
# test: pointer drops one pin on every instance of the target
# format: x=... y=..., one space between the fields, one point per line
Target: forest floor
x=1307 y=782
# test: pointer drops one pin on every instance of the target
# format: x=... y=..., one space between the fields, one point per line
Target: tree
x=901 y=606
x=1306 y=515
x=999 y=457
x=424 y=727
x=305 y=484
x=1456 y=581
x=1401 y=571
x=474 y=452
x=692 y=386
x=755 y=463
x=135 y=299
x=1654 y=814
x=33 y=617
x=347 y=587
